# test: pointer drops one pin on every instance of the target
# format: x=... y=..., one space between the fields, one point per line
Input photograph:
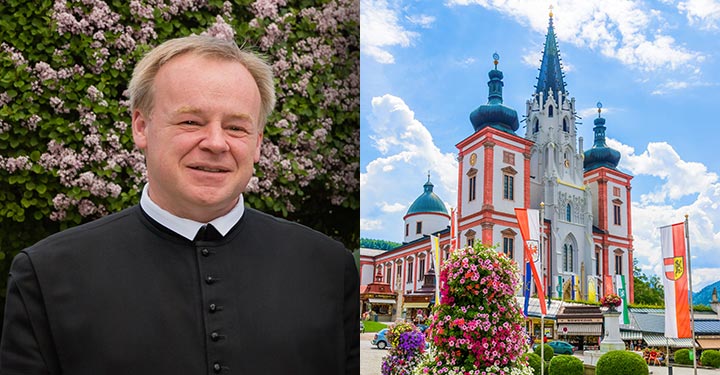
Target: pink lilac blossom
x=140 y=11
x=13 y=164
x=220 y=29
x=267 y=8
x=4 y=98
x=17 y=58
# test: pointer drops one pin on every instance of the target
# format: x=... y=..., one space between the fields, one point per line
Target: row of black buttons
x=214 y=336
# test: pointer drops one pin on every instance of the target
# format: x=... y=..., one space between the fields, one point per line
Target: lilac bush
x=66 y=150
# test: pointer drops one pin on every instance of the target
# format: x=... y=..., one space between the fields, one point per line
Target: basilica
x=584 y=200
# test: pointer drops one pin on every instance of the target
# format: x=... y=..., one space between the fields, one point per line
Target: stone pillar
x=611 y=338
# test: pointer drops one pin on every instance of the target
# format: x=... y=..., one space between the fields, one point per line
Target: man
x=190 y=281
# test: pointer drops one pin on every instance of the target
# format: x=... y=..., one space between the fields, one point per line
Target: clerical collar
x=186 y=227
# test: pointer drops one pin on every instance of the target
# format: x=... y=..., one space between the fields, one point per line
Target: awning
x=382 y=301
x=660 y=340
x=631 y=335
x=709 y=343
x=416 y=305
x=579 y=329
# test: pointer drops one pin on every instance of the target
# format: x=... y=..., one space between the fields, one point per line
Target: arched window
x=536 y=126
x=565 y=126
x=550 y=111
x=567 y=257
x=568 y=213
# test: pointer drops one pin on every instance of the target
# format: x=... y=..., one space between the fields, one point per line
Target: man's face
x=202 y=137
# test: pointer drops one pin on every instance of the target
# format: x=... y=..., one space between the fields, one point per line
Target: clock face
x=473 y=159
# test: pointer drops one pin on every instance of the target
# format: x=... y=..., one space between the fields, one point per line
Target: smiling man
x=189 y=281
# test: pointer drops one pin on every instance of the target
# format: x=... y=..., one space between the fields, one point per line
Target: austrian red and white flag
x=675 y=281
x=453 y=230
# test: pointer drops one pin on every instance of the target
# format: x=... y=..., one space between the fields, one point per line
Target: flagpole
x=690 y=292
x=542 y=316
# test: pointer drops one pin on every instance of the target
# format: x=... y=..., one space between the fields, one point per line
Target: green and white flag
x=622 y=292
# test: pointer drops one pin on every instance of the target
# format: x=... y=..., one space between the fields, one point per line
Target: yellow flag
x=435 y=246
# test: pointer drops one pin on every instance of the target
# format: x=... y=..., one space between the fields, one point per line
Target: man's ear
x=257 y=147
x=139 y=129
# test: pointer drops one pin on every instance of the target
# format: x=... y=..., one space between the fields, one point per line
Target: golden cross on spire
x=551 y=8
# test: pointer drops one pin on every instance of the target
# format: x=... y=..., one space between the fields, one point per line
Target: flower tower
x=478 y=327
x=407 y=345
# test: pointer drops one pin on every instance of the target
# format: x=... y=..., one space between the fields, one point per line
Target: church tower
x=493 y=174
x=612 y=225
x=426 y=215
x=556 y=176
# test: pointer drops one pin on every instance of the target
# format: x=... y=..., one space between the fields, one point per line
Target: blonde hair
x=141 y=85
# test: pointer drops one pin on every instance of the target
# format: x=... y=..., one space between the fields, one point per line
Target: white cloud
x=370 y=225
x=676 y=180
x=670 y=86
x=466 y=62
x=408 y=152
x=381 y=29
x=421 y=20
x=533 y=57
x=703 y=13
x=620 y=29
x=591 y=113
x=392 y=208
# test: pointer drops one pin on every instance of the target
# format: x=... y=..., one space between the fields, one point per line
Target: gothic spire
x=551 y=75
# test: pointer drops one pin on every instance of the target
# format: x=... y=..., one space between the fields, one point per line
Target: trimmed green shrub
x=710 y=358
x=682 y=357
x=535 y=362
x=549 y=352
x=620 y=362
x=565 y=364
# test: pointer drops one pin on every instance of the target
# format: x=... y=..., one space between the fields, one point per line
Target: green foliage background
x=648 y=290
x=371 y=243
x=66 y=149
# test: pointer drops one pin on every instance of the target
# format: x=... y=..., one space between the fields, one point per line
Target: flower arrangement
x=407 y=345
x=478 y=327
x=611 y=301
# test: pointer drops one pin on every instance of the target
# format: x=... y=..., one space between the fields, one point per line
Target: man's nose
x=214 y=138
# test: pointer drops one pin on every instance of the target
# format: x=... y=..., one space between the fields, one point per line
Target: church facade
x=584 y=199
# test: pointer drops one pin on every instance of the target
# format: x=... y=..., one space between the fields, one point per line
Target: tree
x=648 y=290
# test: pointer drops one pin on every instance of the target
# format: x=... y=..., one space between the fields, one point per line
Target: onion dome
x=427 y=202
x=551 y=77
x=600 y=155
x=495 y=114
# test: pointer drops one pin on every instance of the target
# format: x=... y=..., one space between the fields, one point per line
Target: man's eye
x=190 y=122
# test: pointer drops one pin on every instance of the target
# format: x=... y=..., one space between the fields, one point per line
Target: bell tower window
x=565 y=126
x=536 y=126
x=568 y=213
x=550 y=111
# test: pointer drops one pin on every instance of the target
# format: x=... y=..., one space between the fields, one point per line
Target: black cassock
x=124 y=295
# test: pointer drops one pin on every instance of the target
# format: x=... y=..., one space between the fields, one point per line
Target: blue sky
x=655 y=66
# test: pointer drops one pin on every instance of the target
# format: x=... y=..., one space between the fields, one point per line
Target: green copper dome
x=427 y=202
x=495 y=114
x=600 y=155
